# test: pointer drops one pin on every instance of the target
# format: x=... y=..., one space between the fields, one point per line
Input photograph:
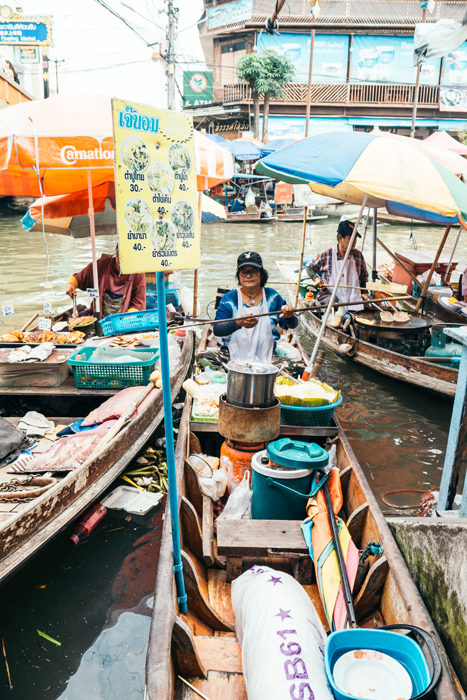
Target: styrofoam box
x=130 y=500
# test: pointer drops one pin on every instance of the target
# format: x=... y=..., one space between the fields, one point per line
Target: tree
x=266 y=73
x=277 y=70
x=250 y=70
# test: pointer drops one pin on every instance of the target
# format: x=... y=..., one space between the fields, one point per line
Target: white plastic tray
x=131 y=500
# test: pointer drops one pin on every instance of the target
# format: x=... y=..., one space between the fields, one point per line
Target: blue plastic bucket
x=398 y=646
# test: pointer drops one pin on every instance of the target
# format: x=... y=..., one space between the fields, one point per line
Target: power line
x=122 y=19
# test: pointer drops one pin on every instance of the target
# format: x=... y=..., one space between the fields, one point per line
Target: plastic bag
x=281 y=636
x=250 y=199
x=174 y=354
x=185 y=297
x=238 y=501
x=206 y=400
x=435 y=279
x=212 y=479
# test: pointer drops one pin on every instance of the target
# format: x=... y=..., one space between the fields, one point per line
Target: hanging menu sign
x=155 y=189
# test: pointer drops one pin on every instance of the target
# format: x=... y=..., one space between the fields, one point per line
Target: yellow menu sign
x=155 y=189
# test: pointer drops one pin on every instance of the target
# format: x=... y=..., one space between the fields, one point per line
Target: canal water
x=96 y=599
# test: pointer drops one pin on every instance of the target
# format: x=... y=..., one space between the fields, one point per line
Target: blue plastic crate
x=100 y=375
x=308 y=415
x=171 y=297
x=133 y=322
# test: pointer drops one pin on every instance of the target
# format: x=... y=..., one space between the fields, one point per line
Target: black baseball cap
x=249 y=258
x=346 y=228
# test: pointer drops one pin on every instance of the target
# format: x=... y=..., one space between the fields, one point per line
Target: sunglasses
x=249 y=273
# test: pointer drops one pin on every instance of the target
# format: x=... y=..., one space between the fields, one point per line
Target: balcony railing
x=349 y=93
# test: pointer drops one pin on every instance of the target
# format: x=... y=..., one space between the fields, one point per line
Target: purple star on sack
x=274 y=580
x=283 y=614
x=255 y=570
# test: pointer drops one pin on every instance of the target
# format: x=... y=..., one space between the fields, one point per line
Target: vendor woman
x=252 y=338
x=118 y=293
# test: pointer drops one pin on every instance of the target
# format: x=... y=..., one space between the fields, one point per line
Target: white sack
x=281 y=636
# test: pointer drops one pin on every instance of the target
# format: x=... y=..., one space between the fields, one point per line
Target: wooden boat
x=416 y=371
x=200 y=646
x=243 y=217
x=27 y=527
x=291 y=214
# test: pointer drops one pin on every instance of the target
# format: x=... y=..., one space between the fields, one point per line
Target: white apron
x=252 y=343
x=350 y=278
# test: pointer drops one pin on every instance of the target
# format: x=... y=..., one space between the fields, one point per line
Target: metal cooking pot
x=251 y=384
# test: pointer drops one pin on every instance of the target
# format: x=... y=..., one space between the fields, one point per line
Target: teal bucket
x=271 y=502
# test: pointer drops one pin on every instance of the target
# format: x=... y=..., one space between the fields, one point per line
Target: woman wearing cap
x=117 y=293
x=328 y=265
x=252 y=338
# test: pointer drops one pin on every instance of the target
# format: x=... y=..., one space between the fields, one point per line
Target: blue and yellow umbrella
x=391 y=173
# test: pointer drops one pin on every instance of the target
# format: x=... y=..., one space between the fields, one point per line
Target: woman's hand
x=70 y=290
x=287 y=311
x=246 y=321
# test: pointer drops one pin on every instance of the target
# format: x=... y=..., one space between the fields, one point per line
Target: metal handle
x=436 y=661
x=271 y=482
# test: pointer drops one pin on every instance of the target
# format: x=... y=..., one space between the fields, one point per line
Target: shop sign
x=231 y=125
x=230 y=13
x=33 y=31
x=283 y=193
x=197 y=87
x=155 y=189
x=453 y=99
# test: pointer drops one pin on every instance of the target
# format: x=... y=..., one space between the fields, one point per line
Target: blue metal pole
x=169 y=435
x=456 y=438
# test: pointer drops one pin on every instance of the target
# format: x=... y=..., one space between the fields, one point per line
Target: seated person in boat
x=118 y=293
x=327 y=266
x=252 y=338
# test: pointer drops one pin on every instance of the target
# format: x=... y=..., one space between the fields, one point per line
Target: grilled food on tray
x=73 y=337
x=124 y=341
x=12 y=337
x=80 y=321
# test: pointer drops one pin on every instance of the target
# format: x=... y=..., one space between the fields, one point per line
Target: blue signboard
x=33 y=31
x=330 y=55
x=232 y=12
x=455 y=67
x=294 y=127
x=389 y=59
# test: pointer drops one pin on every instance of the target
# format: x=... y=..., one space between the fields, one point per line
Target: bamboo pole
x=452 y=255
x=195 y=276
x=95 y=276
x=307 y=373
x=433 y=267
x=307 y=119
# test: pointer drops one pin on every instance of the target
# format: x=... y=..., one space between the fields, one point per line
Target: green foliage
x=250 y=68
x=462 y=135
x=266 y=72
x=277 y=70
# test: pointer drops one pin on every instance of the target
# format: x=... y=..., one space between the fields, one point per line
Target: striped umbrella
x=352 y=166
x=214 y=164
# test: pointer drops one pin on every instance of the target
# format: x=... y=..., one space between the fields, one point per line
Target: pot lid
x=297 y=454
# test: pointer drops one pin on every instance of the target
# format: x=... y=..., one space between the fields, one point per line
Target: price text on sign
x=93 y=293
x=45 y=324
x=47 y=307
x=8 y=310
x=155 y=185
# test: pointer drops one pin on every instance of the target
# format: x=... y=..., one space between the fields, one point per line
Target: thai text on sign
x=155 y=189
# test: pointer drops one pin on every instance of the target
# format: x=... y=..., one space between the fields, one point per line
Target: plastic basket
x=133 y=322
x=204 y=419
x=308 y=415
x=110 y=376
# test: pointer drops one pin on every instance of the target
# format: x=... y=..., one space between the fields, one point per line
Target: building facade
x=362 y=67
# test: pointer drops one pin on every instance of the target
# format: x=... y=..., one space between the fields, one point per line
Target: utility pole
x=416 y=91
x=172 y=17
x=57 y=61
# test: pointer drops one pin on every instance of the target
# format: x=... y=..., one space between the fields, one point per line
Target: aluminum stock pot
x=251 y=384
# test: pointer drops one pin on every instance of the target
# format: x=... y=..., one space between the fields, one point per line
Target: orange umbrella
x=214 y=164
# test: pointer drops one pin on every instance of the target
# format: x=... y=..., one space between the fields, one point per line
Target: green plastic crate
x=110 y=376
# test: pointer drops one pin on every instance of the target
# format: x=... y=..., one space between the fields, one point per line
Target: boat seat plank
x=356 y=523
x=198 y=595
x=370 y=594
x=67 y=388
x=192 y=535
x=218 y=686
x=219 y=595
x=259 y=538
x=288 y=430
x=192 y=488
x=184 y=650
x=207 y=531
x=219 y=654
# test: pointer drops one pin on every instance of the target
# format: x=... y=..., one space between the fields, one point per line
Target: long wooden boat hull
x=200 y=646
x=427 y=376
x=24 y=533
x=249 y=219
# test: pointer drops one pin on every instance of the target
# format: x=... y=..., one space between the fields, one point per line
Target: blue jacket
x=228 y=309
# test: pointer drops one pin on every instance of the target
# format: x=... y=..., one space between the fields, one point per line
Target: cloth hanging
x=438 y=40
x=12 y=442
x=350 y=278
